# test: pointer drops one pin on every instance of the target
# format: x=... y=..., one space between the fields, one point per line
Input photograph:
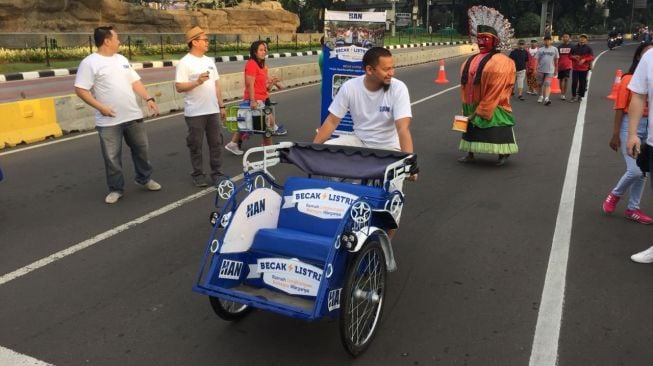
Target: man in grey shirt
x=547 y=68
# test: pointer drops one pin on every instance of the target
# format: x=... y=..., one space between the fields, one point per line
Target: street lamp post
x=394 y=16
x=428 y=12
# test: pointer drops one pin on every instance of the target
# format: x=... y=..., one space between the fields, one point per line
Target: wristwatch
x=150 y=98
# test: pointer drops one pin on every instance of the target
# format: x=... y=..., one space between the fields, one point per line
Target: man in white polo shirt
x=106 y=81
x=197 y=77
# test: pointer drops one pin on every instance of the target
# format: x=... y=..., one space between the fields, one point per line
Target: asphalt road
x=472 y=250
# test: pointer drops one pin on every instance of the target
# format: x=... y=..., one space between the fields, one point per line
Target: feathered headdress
x=488 y=20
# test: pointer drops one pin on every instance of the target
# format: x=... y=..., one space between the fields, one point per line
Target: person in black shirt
x=520 y=56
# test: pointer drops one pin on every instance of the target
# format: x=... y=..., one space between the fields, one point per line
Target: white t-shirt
x=374 y=113
x=110 y=81
x=642 y=83
x=202 y=99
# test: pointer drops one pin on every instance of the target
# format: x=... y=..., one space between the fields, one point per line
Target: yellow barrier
x=28 y=121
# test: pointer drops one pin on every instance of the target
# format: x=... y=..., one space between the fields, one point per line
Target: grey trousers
x=198 y=126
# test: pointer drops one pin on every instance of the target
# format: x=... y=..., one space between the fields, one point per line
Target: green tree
x=527 y=25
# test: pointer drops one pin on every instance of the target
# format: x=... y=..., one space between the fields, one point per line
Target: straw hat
x=193 y=34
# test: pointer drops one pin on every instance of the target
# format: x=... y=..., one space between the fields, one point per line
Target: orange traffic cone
x=442 y=77
x=555 y=86
x=615 y=86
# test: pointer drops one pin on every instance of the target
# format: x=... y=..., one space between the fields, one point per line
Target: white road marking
x=544 y=351
x=435 y=95
x=102 y=236
x=9 y=357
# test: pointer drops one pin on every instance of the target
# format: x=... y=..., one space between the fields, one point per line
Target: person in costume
x=486 y=84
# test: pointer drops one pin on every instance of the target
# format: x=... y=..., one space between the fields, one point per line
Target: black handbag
x=643 y=158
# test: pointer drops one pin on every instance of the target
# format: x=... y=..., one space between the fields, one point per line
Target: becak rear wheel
x=229 y=310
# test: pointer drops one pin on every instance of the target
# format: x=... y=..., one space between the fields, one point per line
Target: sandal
x=466 y=159
x=503 y=159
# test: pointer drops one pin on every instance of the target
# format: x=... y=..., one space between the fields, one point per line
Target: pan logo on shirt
x=384 y=108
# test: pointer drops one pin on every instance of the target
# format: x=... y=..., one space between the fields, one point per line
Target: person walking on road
x=486 y=84
x=197 y=77
x=564 y=64
x=547 y=68
x=106 y=81
x=520 y=56
x=581 y=57
x=641 y=86
x=257 y=92
x=632 y=181
x=531 y=69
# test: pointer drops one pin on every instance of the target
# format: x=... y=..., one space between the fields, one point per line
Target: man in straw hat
x=486 y=83
x=197 y=77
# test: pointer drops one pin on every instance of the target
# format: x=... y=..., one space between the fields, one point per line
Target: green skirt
x=491 y=140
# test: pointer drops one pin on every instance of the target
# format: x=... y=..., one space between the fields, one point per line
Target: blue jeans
x=633 y=179
x=111 y=145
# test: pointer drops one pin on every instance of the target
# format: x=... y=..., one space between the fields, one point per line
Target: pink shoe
x=610 y=203
x=639 y=216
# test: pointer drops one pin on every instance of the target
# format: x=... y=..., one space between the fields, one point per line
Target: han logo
x=334 y=299
x=255 y=208
x=230 y=269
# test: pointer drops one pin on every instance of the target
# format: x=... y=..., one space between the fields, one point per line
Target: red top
x=260 y=80
x=624 y=94
x=564 y=62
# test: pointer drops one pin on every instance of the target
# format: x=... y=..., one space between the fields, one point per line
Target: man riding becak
x=486 y=84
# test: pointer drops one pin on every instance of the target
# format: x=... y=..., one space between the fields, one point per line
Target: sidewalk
x=32 y=75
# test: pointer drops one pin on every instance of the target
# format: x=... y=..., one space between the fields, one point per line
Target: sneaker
x=151 y=185
x=547 y=101
x=610 y=203
x=233 y=148
x=521 y=97
x=562 y=97
x=573 y=99
x=638 y=216
x=199 y=180
x=280 y=131
x=112 y=197
x=643 y=257
x=540 y=99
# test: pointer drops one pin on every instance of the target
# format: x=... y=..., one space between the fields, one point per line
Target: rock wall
x=36 y=16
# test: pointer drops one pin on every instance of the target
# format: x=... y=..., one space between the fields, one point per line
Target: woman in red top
x=257 y=85
x=633 y=180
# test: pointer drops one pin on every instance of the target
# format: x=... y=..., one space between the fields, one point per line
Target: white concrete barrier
x=73 y=115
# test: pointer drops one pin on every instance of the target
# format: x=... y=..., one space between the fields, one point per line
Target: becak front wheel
x=362 y=298
x=229 y=310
